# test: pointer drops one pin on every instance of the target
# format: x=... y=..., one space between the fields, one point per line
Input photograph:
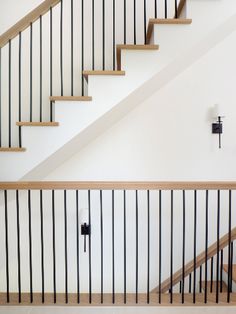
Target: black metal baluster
x=231 y=266
x=31 y=72
x=124 y=246
x=171 y=244
x=82 y=45
x=103 y=35
x=183 y=252
x=176 y=9
x=166 y=9
x=148 y=246
x=195 y=246
x=229 y=247
x=6 y=245
x=41 y=71
x=124 y=22
x=61 y=47
x=160 y=246
x=190 y=283
x=135 y=32
x=221 y=270
x=90 y=258
x=212 y=272
x=19 y=78
x=30 y=248
x=72 y=47
x=51 y=67
x=200 y=279
x=206 y=247
x=145 y=22
x=77 y=246
x=113 y=248
x=54 y=247
x=42 y=243
x=101 y=229
x=18 y=245
x=180 y=287
x=66 y=256
x=93 y=31
x=155 y=3
x=218 y=246
x=114 y=35
x=9 y=94
x=136 y=201
x=0 y=97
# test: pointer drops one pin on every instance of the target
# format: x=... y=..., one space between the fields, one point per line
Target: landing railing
x=44 y=55
x=117 y=243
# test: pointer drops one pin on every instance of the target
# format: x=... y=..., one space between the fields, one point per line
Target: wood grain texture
x=225 y=267
x=116 y=185
x=70 y=98
x=153 y=22
x=12 y=149
x=214 y=285
x=131 y=47
x=119 y=299
x=181 y=5
x=200 y=260
x=37 y=123
x=26 y=21
x=114 y=73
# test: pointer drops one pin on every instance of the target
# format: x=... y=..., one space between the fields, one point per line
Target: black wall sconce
x=217 y=127
x=85 y=227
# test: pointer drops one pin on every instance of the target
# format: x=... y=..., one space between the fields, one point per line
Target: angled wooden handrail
x=26 y=21
x=200 y=260
x=117 y=185
x=181 y=5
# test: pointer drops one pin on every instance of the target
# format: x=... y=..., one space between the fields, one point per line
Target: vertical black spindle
x=113 y=247
x=148 y=246
x=206 y=247
x=9 y=94
x=93 y=32
x=135 y=32
x=171 y=245
x=72 y=47
x=195 y=246
x=61 y=47
x=6 y=245
x=114 y=35
x=190 y=283
x=54 y=247
x=124 y=22
x=66 y=257
x=160 y=244
x=212 y=272
x=176 y=9
x=77 y=246
x=30 y=247
x=103 y=35
x=218 y=246
x=90 y=258
x=124 y=246
x=155 y=4
x=51 y=67
x=41 y=71
x=166 y=9
x=229 y=247
x=183 y=252
x=19 y=86
x=221 y=270
x=145 y=22
x=101 y=229
x=82 y=46
x=200 y=279
x=18 y=245
x=180 y=287
x=42 y=243
x=31 y=72
x=231 y=266
x=136 y=194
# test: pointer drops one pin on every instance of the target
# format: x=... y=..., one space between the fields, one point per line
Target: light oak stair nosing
x=70 y=98
x=103 y=73
x=41 y=124
x=12 y=149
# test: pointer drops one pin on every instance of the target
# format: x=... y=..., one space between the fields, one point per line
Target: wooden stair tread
x=132 y=47
x=214 y=285
x=70 y=98
x=37 y=123
x=153 y=22
x=225 y=267
x=116 y=73
x=12 y=149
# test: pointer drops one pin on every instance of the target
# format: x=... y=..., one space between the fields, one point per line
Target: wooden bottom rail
x=119 y=300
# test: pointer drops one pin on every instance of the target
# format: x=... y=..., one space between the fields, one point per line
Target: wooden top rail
x=26 y=21
x=119 y=185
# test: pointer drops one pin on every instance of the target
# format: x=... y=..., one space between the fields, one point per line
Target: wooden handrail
x=27 y=20
x=200 y=260
x=118 y=185
x=181 y=5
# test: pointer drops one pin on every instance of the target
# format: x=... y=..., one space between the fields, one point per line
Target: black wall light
x=85 y=227
x=217 y=127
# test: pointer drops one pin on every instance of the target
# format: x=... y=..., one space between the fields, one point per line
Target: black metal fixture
x=85 y=227
x=217 y=127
